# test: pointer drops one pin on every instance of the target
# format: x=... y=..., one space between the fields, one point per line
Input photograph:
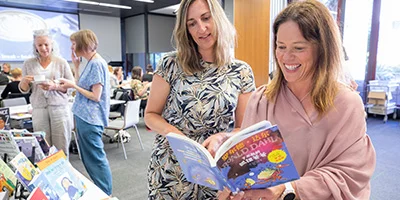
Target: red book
x=37 y=194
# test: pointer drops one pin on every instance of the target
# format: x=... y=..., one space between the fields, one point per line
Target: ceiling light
x=146 y=1
x=114 y=6
x=84 y=2
x=100 y=4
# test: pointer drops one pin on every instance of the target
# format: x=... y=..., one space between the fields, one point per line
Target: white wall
x=108 y=32
x=160 y=33
x=135 y=34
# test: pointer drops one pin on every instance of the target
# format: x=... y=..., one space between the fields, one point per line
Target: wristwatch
x=289 y=193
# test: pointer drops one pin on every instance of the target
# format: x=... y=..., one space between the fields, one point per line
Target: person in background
x=139 y=88
x=113 y=79
x=148 y=77
x=119 y=74
x=12 y=87
x=49 y=101
x=199 y=91
x=320 y=118
x=6 y=71
x=91 y=106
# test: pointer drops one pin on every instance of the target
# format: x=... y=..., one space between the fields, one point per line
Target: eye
x=281 y=47
x=299 y=48
x=192 y=24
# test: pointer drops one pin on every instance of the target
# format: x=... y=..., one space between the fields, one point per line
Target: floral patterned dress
x=199 y=105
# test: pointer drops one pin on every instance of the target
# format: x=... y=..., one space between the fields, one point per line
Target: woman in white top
x=51 y=112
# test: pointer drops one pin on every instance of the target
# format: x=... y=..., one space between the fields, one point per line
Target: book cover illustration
x=260 y=161
x=4 y=118
x=37 y=194
x=8 y=147
x=40 y=136
x=26 y=145
x=255 y=157
x=198 y=166
x=9 y=178
x=25 y=171
x=41 y=181
x=59 y=176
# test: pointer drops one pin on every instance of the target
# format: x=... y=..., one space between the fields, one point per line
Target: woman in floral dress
x=199 y=91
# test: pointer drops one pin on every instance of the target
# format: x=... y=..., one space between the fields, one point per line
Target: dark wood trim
x=341 y=15
x=146 y=38
x=373 y=41
x=162 y=15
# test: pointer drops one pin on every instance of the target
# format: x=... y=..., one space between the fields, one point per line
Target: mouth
x=205 y=37
x=292 y=67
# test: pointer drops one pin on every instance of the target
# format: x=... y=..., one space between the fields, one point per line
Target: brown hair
x=224 y=33
x=17 y=72
x=137 y=73
x=317 y=26
x=116 y=70
x=86 y=41
x=149 y=68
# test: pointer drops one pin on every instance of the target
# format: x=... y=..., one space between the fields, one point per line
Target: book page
x=241 y=135
x=196 y=162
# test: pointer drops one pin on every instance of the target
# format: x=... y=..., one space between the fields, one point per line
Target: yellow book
x=51 y=159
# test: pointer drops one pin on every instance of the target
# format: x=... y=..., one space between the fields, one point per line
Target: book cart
x=382 y=98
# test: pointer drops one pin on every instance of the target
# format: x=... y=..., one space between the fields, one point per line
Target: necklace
x=90 y=58
x=302 y=99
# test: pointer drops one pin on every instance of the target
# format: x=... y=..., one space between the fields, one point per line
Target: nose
x=287 y=55
x=202 y=27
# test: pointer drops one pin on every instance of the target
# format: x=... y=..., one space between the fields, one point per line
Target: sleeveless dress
x=199 y=105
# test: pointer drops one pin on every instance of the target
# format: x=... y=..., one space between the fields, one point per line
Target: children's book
x=25 y=171
x=40 y=136
x=4 y=118
x=41 y=181
x=51 y=159
x=8 y=147
x=37 y=194
x=59 y=176
x=9 y=178
x=254 y=158
x=29 y=145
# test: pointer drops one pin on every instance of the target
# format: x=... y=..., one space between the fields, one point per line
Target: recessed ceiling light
x=146 y=1
x=100 y=4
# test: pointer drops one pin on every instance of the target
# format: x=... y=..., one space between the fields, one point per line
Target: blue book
x=63 y=180
x=253 y=158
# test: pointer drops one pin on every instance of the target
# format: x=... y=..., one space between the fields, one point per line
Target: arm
x=144 y=89
x=155 y=105
x=93 y=95
x=25 y=83
x=5 y=92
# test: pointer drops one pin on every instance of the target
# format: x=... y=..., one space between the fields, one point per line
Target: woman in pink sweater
x=320 y=118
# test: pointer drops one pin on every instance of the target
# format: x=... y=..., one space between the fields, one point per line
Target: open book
x=253 y=158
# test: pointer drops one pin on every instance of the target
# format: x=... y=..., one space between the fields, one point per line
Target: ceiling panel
x=63 y=6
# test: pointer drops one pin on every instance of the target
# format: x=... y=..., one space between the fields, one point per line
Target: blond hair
x=317 y=26
x=86 y=41
x=224 y=32
x=17 y=72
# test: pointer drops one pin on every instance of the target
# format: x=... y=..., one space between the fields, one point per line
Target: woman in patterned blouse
x=139 y=88
x=198 y=91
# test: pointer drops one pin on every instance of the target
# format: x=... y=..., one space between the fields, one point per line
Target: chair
x=130 y=119
x=14 y=102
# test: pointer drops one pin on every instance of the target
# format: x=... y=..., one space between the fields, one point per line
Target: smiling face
x=296 y=56
x=43 y=46
x=200 y=25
